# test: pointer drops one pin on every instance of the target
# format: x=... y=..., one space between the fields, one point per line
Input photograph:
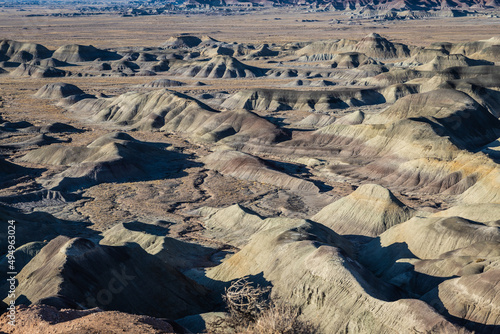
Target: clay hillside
x=290 y=173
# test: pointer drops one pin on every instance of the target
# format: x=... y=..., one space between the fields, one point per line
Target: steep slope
x=436 y=256
x=309 y=267
x=167 y=110
x=477 y=301
x=10 y=50
x=153 y=239
x=376 y=46
x=58 y=90
x=251 y=168
x=452 y=113
x=441 y=63
x=234 y=224
x=368 y=211
x=74 y=53
x=372 y=45
x=37 y=71
x=185 y=41
x=124 y=278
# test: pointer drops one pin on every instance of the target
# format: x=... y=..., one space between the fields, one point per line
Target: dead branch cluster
x=251 y=311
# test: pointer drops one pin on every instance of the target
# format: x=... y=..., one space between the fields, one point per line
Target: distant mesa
x=218 y=50
x=283 y=99
x=263 y=51
x=74 y=53
x=353 y=60
x=145 y=73
x=322 y=83
x=37 y=71
x=377 y=46
x=223 y=67
x=22 y=51
x=413 y=8
x=440 y=63
x=48 y=62
x=182 y=42
x=372 y=45
x=298 y=83
x=58 y=90
x=163 y=83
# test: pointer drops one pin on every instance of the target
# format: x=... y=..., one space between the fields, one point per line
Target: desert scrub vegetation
x=252 y=311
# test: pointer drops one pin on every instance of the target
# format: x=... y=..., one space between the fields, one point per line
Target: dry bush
x=281 y=318
x=252 y=312
x=244 y=301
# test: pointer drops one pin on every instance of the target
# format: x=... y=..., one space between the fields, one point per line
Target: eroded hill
x=358 y=179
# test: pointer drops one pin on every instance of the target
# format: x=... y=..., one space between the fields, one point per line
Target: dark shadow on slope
x=40 y=226
x=117 y=160
x=11 y=174
x=180 y=254
x=123 y=278
x=432 y=298
x=384 y=263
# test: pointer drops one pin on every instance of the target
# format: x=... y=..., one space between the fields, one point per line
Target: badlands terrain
x=350 y=167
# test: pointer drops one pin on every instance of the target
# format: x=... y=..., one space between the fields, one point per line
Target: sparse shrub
x=244 y=301
x=251 y=311
x=281 y=318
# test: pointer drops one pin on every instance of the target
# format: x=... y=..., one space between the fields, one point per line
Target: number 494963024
x=11 y=248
